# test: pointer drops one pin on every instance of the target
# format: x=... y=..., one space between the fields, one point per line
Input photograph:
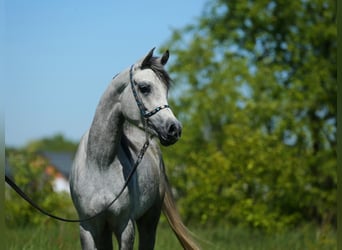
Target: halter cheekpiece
x=143 y=110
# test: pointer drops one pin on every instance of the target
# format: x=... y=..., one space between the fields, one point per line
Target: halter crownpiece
x=143 y=110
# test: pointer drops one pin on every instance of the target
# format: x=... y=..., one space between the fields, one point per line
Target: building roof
x=62 y=161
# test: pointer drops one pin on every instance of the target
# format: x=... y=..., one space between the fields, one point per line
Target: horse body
x=94 y=189
x=107 y=153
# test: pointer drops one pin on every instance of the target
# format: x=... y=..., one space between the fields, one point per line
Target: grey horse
x=123 y=122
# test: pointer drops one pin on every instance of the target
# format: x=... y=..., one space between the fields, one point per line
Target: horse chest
x=147 y=191
x=143 y=191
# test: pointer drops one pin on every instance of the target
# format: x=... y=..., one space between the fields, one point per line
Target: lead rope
x=21 y=193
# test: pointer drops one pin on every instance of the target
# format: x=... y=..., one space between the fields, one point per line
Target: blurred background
x=254 y=87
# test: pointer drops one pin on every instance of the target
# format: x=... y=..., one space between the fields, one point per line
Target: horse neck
x=107 y=126
x=135 y=135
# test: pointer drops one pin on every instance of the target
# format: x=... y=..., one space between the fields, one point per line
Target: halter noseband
x=143 y=110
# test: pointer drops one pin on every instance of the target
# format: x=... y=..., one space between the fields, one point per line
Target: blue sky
x=59 y=57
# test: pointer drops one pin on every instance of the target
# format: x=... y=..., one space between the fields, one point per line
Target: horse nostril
x=174 y=130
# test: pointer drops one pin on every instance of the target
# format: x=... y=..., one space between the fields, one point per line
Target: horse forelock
x=158 y=68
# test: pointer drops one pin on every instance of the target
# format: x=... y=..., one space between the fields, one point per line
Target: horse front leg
x=147 y=226
x=95 y=236
x=126 y=236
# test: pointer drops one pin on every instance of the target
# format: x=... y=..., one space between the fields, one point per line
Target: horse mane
x=158 y=68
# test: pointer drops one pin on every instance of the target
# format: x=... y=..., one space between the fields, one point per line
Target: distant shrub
x=28 y=171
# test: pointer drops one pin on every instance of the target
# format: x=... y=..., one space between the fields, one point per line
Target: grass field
x=65 y=236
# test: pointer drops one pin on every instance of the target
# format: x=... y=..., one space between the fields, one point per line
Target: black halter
x=145 y=114
x=143 y=110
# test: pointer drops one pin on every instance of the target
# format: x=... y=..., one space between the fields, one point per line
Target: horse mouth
x=167 y=141
x=165 y=137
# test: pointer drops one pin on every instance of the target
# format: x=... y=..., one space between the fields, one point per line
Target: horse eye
x=145 y=89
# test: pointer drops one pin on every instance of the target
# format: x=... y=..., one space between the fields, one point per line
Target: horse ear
x=165 y=57
x=146 y=62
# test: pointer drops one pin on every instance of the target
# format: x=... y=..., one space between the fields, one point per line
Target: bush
x=28 y=170
x=252 y=179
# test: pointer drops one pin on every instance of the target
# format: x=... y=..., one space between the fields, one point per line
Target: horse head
x=145 y=102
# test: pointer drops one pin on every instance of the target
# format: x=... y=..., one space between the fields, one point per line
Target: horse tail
x=174 y=219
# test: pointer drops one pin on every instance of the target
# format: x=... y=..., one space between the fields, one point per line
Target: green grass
x=65 y=236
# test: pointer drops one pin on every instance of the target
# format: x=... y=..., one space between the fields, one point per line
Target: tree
x=56 y=143
x=258 y=105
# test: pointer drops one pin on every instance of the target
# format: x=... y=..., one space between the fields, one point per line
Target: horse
x=133 y=110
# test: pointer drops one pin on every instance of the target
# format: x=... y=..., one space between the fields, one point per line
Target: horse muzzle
x=170 y=133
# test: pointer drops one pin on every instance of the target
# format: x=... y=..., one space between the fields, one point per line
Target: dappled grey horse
x=132 y=111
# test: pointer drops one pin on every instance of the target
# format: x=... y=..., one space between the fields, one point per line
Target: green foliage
x=258 y=106
x=29 y=174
